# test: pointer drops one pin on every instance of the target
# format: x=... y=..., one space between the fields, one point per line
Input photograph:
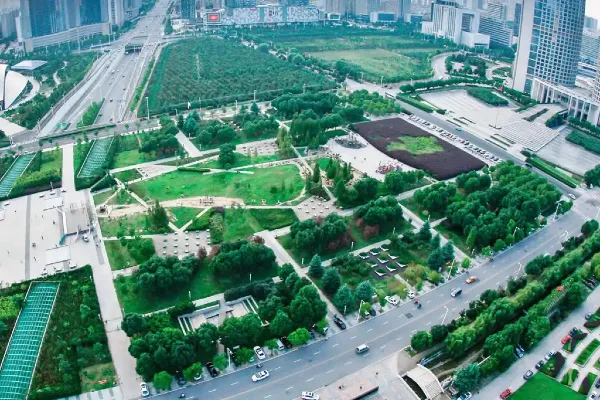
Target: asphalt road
x=319 y=364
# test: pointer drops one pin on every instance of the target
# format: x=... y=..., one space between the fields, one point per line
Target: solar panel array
x=21 y=356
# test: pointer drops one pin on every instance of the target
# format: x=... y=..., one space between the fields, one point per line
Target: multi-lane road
x=314 y=366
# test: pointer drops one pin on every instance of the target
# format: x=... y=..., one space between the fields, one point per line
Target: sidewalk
x=187 y=145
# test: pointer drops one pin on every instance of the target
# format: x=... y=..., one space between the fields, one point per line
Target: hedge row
x=584 y=140
x=259 y=290
x=553 y=172
x=416 y=103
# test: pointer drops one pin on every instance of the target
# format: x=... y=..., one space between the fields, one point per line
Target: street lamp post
x=359 y=306
x=147 y=108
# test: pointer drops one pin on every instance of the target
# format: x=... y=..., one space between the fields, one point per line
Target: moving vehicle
x=339 y=322
x=571 y=195
x=363 y=348
x=259 y=353
x=144 y=389
x=310 y=396
x=471 y=279
x=456 y=292
x=505 y=394
x=528 y=374
x=259 y=376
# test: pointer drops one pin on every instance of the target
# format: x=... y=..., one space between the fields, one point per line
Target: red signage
x=214 y=17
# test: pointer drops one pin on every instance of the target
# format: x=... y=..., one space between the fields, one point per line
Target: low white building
x=262 y=14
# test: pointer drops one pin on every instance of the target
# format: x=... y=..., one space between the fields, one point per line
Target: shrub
x=487 y=96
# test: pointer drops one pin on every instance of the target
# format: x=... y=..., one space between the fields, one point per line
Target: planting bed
x=586 y=354
x=587 y=383
x=398 y=139
x=551 y=390
x=552 y=368
x=575 y=340
x=570 y=377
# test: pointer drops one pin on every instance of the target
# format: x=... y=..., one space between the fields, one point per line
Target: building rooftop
x=28 y=65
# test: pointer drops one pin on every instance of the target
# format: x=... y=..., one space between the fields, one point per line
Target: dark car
x=540 y=364
x=339 y=322
x=574 y=331
x=212 y=370
x=528 y=374
x=286 y=343
x=597 y=383
x=373 y=312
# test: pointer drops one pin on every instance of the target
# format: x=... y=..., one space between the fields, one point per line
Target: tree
x=465 y=263
x=331 y=281
x=364 y=291
x=499 y=245
x=436 y=242
x=592 y=177
x=420 y=341
x=281 y=324
x=301 y=312
x=436 y=261
x=448 y=252
x=537 y=329
x=471 y=238
x=220 y=361
x=158 y=217
x=424 y=233
x=467 y=379
x=344 y=299
x=207 y=335
x=254 y=108
x=243 y=331
x=575 y=295
x=299 y=337
x=316 y=178
x=489 y=296
x=589 y=227
x=162 y=380
x=145 y=366
x=133 y=324
x=243 y=355
x=192 y=371
x=271 y=344
x=227 y=155
x=315 y=268
x=268 y=309
x=439 y=333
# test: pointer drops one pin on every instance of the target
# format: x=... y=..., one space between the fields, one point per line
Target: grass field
x=416 y=145
x=91 y=376
x=120 y=256
x=131 y=225
x=263 y=183
x=241 y=223
x=122 y=198
x=127 y=175
x=242 y=160
x=202 y=285
x=182 y=215
x=551 y=389
x=101 y=197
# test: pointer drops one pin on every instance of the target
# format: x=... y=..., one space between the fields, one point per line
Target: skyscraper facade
x=188 y=9
x=591 y=23
x=549 y=43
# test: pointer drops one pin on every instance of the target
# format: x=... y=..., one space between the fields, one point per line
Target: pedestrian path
x=187 y=145
x=113 y=393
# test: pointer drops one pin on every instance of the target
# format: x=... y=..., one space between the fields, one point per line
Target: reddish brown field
x=442 y=165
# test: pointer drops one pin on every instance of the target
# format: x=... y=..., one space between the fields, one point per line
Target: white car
x=260 y=376
x=571 y=195
x=310 y=396
x=393 y=300
x=144 y=389
x=259 y=353
x=411 y=295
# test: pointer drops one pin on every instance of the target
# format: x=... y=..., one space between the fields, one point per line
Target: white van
x=363 y=348
x=280 y=345
x=456 y=292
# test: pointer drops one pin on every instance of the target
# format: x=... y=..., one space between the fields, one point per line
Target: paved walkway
x=68 y=173
x=113 y=393
x=187 y=145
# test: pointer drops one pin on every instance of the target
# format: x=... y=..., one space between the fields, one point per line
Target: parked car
x=528 y=374
x=286 y=342
x=465 y=396
x=571 y=195
x=259 y=353
x=588 y=315
x=144 y=389
x=411 y=295
x=310 y=396
x=339 y=322
x=574 y=331
x=566 y=339
x=212 y=370
x=505 y=394
x=259 y=376
x=392 y=300
x=593 y=395
x=549 y=355
x=540 y=364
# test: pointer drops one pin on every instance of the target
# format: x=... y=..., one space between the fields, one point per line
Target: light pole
x=254 y=94
x=381 y=81
x=359 y=306
x=147 y=108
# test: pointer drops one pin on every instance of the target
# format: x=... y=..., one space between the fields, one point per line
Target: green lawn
x=181 y=161
x=587 y=383
x=263 y=183
x=413 y=206
x=202 y=285
x=241 y=223
x=182 y=215
x=570 y=377
x=100 y=198
x=242 y=160
x=122 y=198
x=587 y=352
x=91 y=376
x=543 y=387
x=124 y=225
x=127 y=175
x=201 y=222
x=416 y=145
x=120 y=256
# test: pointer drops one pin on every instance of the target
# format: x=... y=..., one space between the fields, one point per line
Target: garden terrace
x=554 y=365
x=194 y=69
x=587 y=352
x=413 y=146
x=551 y=389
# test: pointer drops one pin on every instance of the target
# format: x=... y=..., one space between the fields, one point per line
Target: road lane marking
x=370 y=330
x=429 y=323
x=275 y=369
x=317 y=352
x=383 y=347
x=453 y=309
x=234 y=383
x=400 y=338
x=330 y=371
x=308 y=380
x=214 y=390
x=385 y=323
x=298 y=360
x=414 y=331
x=428 y=302
x=348 y=363
x=498 y=283
x=291 y=387
x=266 y=397
x=335 y=345
x=353 y=337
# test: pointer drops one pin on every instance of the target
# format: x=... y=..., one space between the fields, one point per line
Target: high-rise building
x=549 y=43
x=590 y=46
x=461 y=25
x=404 y=7
x=497 y=29
x=116 y=12
x=188 y=9
x=517 y=18
x=590 y=23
